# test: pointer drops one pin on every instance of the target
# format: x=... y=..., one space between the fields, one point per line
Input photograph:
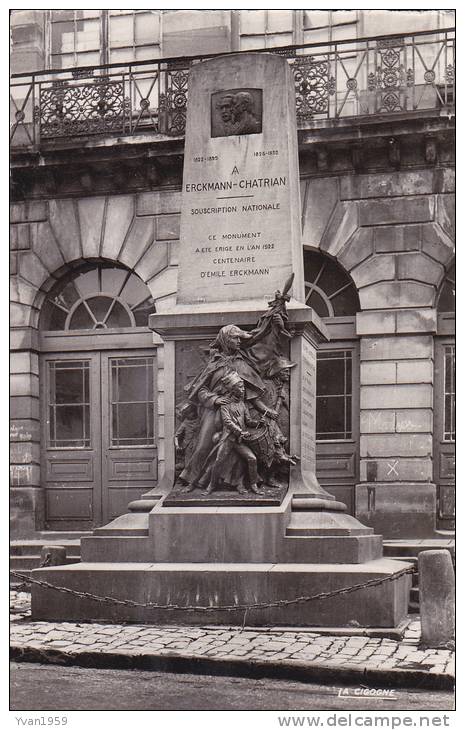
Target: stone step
x=411 y=548
x=301 y=531
x=29 y=562
x=58 y=535
x=34 y=547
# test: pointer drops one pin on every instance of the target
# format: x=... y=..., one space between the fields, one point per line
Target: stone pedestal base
x=227 y=556
x=211 y=584
x=398 y=510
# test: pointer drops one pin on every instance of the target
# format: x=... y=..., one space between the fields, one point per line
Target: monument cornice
x=200 y=321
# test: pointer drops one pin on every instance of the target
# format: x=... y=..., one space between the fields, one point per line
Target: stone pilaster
x=27 y=40
x=25 y=492
x=396 y=494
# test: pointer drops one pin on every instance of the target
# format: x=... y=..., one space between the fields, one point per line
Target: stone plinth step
x=313 y=524
x=222 y=498
x=277 y=588
x=59 y=535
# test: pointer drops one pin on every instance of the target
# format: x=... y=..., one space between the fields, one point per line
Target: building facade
x=98 y=107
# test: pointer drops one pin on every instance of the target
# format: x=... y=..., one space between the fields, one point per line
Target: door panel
x=71 y=437
x=128 y=428
x=337 y=425
x=444 y=431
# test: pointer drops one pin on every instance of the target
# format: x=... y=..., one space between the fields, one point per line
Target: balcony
x=348 y=81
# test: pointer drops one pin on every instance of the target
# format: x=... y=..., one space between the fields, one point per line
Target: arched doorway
x=330 y=291
x=98 y=391
x=444 y=402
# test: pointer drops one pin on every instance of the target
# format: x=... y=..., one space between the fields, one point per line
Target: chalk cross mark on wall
x=393 y=468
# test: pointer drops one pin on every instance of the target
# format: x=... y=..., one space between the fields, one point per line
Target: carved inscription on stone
x=308 y=403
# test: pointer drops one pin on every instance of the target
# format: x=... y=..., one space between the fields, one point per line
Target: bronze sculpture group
x=235 y=422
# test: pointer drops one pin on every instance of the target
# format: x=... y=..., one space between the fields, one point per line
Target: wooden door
x=72 y=453
x=99 y=436
x=129 y=458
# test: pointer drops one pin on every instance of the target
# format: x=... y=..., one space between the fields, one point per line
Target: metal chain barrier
x=206 y=609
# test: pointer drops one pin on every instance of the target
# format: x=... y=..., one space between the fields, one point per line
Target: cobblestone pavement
x=229 y=643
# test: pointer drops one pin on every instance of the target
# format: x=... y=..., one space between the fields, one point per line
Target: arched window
x=95 y=297
x=328 y=288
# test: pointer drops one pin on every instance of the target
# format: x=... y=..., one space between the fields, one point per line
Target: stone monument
x=239 y=525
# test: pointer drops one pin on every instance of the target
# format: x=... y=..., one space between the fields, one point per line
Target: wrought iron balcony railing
x=354 y=78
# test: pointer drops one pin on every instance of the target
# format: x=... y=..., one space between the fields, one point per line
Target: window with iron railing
x=133 y=35
x=266 y=28
x=322 y=26
x=75 y=38
x=93 y=37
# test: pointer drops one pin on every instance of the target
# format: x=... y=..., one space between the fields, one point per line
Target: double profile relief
x=236 y=112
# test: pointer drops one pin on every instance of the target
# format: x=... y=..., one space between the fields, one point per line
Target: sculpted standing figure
x=208 y=393
x=235 y=419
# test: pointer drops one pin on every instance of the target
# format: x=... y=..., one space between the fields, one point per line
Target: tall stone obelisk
x=240 y=216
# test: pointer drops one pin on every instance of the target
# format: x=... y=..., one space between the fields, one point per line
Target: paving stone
x=274 y=645
x=305 y=656
x=111 y=630
x=296 y=646
x=238 y=652
x=358 y=641
x=152 y=648
x=348 y=651
x=86 y=640
x=52 y=635
x=386 y=650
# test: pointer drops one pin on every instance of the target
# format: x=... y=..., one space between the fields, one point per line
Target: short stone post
x=52 y=555
x=437 y=598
